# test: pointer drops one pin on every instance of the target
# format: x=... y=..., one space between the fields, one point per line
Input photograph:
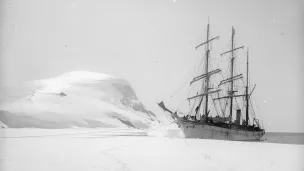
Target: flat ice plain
x=124 y=149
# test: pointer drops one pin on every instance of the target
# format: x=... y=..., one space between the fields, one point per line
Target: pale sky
x=151 y=44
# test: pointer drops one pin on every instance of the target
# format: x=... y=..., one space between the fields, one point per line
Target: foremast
x=206 y=71
x=206 y=75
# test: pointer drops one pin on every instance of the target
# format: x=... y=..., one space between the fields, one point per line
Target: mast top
x=208 y=39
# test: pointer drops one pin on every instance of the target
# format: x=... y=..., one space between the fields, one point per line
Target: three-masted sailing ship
x=228 y=123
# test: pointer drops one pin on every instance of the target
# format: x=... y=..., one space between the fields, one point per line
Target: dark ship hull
x=219 y=131
x=196 y=129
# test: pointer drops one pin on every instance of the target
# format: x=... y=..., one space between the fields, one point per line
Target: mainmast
x=206 y=75
x=232 y=77
x=231 y=72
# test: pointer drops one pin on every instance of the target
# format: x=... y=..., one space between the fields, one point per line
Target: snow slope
x=2 y=125
x=102 y=150
x=75 y=99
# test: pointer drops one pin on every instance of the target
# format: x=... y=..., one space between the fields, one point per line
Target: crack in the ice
x=123 y=165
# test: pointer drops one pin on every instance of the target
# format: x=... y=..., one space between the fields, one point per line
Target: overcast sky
x=151 y=44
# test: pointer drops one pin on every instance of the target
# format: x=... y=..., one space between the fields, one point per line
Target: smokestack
x=238 y=117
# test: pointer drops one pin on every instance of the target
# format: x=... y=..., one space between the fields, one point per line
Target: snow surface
x=103 y=149
x=76 y=99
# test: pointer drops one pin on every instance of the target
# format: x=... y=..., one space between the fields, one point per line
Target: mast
x=206 y=75
x=231 y=72
x=247 y=95
x=207 y=78
x=232 y=78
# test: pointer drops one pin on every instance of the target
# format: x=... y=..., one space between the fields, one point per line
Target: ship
x=220 y=100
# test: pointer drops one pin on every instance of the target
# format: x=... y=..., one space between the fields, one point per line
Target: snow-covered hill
x=75 y=99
